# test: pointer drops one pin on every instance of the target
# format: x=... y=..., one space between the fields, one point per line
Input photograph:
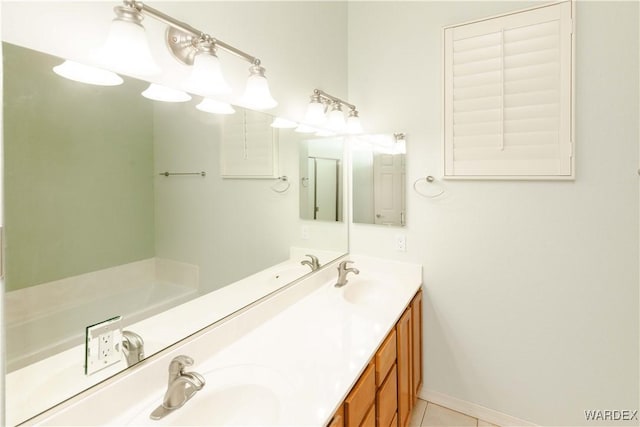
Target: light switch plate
x=103 y=345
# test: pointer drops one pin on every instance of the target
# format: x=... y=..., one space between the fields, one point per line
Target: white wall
x=531 y=287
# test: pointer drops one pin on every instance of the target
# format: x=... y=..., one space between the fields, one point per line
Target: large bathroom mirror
x=115 y=205
x=321 y=179
x=378 y=179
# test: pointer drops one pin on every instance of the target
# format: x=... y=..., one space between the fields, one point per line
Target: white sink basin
x=361 y=291
x=240 y=395
x=287 y=275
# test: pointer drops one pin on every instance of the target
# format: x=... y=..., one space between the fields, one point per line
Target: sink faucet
x=182 y=386
x=314 y=263
x=133 y=347
x=342 y=273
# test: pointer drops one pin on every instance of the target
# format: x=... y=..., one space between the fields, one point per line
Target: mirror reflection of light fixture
x=206 y=74
x=127 y=50
x=315 y=111
x=209 y=105
x=317 y=116
x=86 y=74
x=354 y=126
x=400 y=145
x=158 y=92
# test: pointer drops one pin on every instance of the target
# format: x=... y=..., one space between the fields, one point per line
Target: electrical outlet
x=103 y=345
x=304 y=232
x=401 y=243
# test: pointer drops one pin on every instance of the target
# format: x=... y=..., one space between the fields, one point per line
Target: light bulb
x=158 y=92
x=206 y=74
x=209 y=105
x=126 y=49
x=85 y=74
x=256 y=94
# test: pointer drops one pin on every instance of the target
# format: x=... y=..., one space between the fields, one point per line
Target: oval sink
x=288 y=275
x=361 y=291
x=232 y=396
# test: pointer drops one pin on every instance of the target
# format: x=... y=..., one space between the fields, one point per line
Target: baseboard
x=475 y=410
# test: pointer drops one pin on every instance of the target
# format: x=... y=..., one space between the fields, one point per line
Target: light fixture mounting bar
x=323 y=94
x=186 y=28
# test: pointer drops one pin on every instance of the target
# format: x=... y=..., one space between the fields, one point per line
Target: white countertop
x=292 y=358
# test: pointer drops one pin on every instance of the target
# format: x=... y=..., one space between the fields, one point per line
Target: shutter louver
x=508 y=95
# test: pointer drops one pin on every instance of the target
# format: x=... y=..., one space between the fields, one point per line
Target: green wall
x=78 y=172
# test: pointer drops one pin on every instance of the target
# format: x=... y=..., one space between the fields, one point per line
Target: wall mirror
x=321 y=179
x=378 y=179
x=96 y=229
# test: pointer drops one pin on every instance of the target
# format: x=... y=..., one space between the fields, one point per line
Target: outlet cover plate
x=103 y=345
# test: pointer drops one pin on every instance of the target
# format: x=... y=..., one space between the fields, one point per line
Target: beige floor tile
x=418 y=413
x=438 y=416
x=485 y=424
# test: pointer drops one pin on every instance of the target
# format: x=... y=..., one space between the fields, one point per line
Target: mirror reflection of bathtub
x=93 y=230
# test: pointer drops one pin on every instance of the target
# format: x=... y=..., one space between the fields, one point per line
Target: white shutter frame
x=508 y=96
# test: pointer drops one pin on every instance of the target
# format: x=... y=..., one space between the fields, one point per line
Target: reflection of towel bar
x=203 y=173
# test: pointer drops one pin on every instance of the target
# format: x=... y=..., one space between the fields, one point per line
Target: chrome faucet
x=342 y=273
x=132 y=347
x=314 y=263
x=182 y=386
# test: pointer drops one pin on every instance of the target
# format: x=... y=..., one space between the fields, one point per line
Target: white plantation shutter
x=508 y=100
x=249 y=146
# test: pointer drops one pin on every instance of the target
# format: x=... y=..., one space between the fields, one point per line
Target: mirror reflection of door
x=324 y=179
x=388 y=178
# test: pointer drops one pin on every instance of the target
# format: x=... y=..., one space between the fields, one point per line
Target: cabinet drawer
x=370 y=418
x=385 y=357
x=361 y=398
x=338 y=418
x=387 y=399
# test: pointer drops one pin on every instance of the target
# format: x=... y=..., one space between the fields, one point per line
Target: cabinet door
x=416 y=335
x=403 y=337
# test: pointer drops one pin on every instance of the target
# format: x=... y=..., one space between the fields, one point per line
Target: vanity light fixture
x=158 y=92
x=127 y=50
x=212 y=106
x=302 y=128
x=325 y=111
x=86 y=74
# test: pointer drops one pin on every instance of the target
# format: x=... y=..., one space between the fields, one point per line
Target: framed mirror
x=116 y=205
x=379 y=179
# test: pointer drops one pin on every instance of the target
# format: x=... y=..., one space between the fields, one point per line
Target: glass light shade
x=165 y=94
x=206 y=76
x=354 y=126
x=126 y=49
x=315 y=114
x=256 y=94
x=85 y=74
x=302 y=128
x=281 y=123
x=209 y=105
x=336 y=121
x=400 y=147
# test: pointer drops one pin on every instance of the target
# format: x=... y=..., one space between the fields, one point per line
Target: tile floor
x=427 y=414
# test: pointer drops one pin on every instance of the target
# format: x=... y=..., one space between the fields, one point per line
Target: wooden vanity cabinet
x=385 y=393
